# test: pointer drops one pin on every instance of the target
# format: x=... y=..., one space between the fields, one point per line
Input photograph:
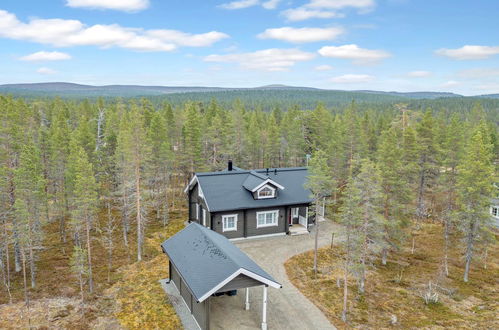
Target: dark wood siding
x=218 y=226
x=186 y=295
x=201 y=203
x=252 y=230
x=175 y=277
x=200 y=313
x=241 y=281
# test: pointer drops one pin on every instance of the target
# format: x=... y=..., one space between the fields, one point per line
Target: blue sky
x=402 y=45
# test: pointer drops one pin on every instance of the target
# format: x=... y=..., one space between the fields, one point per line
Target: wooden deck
x=298 y=229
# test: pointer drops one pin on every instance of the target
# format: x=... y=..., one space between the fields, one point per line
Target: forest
x=91 y=181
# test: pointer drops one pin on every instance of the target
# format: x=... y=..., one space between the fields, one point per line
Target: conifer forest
x=89 y=186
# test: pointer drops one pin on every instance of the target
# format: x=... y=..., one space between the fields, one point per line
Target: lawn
x=392 y=297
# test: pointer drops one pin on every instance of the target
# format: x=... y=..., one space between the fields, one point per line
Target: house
x=494 y=206
x=241 y=203
x=204 y=264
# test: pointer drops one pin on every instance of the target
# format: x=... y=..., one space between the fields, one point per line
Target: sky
x=389 y=45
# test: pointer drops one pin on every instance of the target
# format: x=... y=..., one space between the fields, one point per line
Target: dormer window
x=266 y=192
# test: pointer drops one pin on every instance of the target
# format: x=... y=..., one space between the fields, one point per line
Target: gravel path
x=287 y=308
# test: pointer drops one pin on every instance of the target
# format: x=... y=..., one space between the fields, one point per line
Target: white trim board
x=265 y=182
x=243 y=271
x=257 y=237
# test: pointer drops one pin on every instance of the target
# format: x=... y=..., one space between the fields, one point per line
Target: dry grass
x=56 y=283
x=393 y=290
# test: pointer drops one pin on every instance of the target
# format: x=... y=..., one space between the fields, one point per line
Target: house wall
x=193 y=199
x=251 y=222
x=200 y=311
x=217 y=224
x=241 y=281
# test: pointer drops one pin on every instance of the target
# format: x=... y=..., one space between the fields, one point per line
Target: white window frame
x=225 y=218
x=264 y=197
x=197 y=211
x=492 y=211
x=204 y=217
x=296 y=212
x=273 y=224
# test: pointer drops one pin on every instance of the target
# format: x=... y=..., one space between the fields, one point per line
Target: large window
x=266 y=192
x=494 y=210
x=229 y=222
x=267 y=218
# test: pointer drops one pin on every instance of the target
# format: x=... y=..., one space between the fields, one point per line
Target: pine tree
x=474 y=190
x=395 y=190
x=319 y=182
x=193 y=138
x=83 y=199
x=79 y=267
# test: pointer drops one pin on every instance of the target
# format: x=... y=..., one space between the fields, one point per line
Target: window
x=296 y=211
x=494 y=210
x=266 y=219
x=229 y=222
x=266 y=192
x=197 y=211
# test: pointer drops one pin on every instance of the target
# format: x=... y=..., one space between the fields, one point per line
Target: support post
x=264 y=311
x=246 y=305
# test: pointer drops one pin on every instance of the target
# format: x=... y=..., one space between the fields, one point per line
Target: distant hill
x=278 y=95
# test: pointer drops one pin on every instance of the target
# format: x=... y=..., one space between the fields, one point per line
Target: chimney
x=267 y=172
x=275 y=171
x=229 y=165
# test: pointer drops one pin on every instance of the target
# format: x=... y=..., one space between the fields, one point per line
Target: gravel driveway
x=287 y=308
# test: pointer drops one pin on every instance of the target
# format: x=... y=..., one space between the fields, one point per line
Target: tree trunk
x=470 y=240
x=32 y=267
x=384 y=255
x=316 y=245
x=23 y=257
x=89 y=255
x=139 y=215
x=345 y=292
x=421 y=209
x=446 y=246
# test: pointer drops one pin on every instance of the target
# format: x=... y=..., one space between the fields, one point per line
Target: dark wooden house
x=241 y=203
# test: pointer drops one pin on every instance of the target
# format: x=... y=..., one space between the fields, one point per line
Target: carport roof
x=207 y=261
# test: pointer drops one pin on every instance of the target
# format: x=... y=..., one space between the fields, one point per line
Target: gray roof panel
x=227 y=190
x=205 y=258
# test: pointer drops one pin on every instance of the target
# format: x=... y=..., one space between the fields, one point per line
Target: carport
x=203 y=263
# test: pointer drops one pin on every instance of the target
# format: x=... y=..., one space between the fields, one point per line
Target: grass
x=133 y=294
x=393 y=290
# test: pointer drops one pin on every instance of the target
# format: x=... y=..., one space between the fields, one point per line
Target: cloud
x=450 y=83
x=302 y=13
x=354 y=52
x=301 y=35
x=352 y=78
x=123 y=5
x=340 y=4
x=273 y=59
x=187 y=39
x=419 y=74
x=68 y=33
x=271 y=4
x=324 y=67
x=44 y=70
x=240 y=4
x=46 y=56
x=469 y=52
x=478 y=73
x=325 y=9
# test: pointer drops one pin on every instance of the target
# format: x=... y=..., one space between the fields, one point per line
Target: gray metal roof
x=228 y=190
x=206 y=259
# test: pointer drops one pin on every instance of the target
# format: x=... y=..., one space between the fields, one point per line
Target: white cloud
x=273 y=59
x=123 y=5
x=67 y=33
x=44 y=70
x=469 y=52
x=240 y=4
x=301 y=35
x=478 y=73
x=352 y=78
x=354 y=52
x=271 y=4
x=340 y=4
x=188 y=39
x=450 y=83
x=324 y=67
x=302 y=13
x=419 y=74
x=46 y=56
x=326 y=9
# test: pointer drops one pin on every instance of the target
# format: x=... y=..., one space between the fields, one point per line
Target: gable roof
x=207 y=261
x=231 y=190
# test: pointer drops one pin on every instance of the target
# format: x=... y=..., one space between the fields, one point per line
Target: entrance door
x=303 y=219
